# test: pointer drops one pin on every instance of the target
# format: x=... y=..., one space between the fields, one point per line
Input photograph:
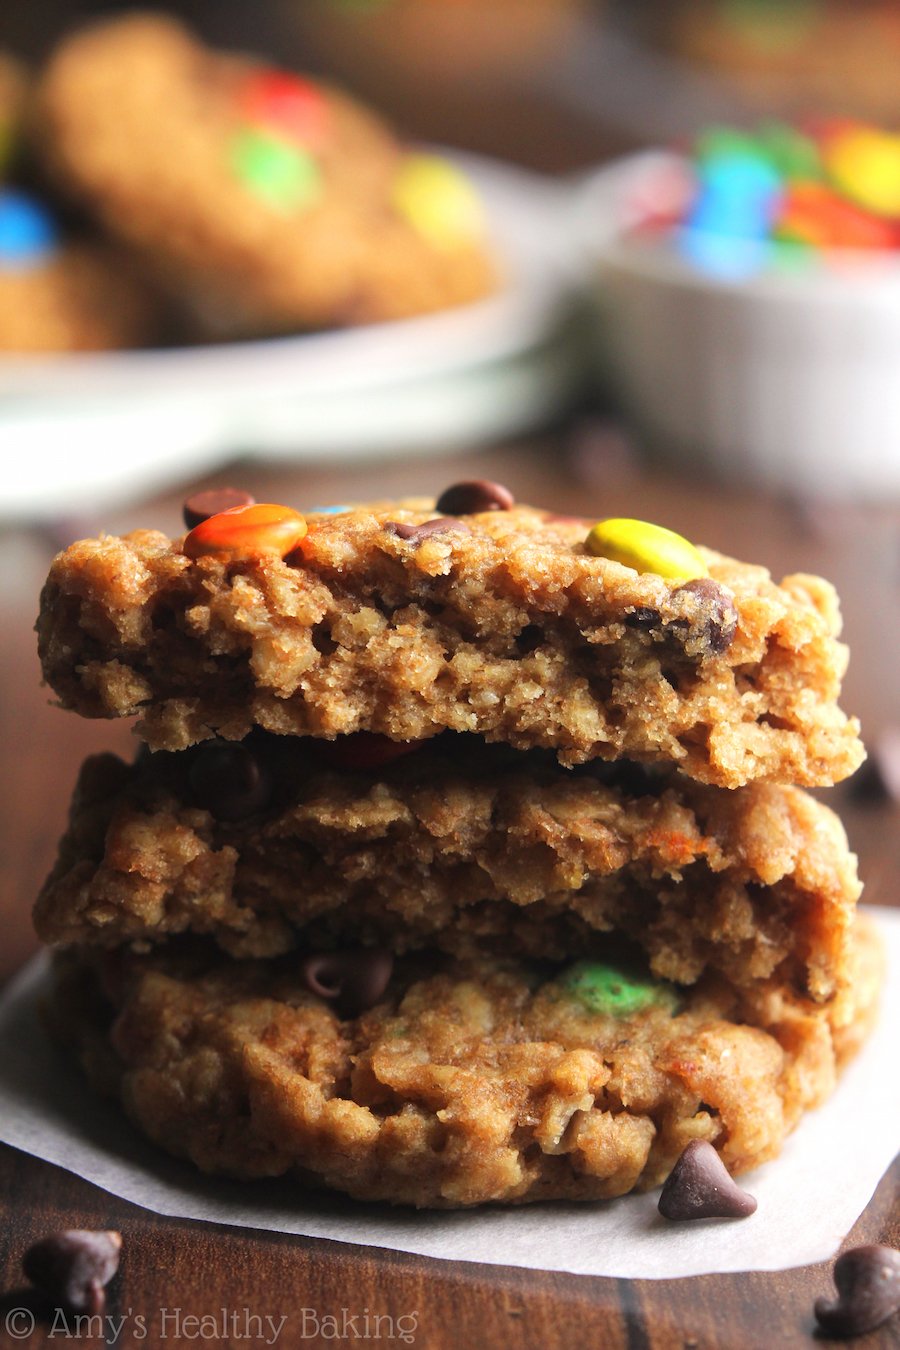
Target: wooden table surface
x=202 y=1269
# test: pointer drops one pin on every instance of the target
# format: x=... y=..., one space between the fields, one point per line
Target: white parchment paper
x=808 y=1198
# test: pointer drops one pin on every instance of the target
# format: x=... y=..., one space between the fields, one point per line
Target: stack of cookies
x=463 y=859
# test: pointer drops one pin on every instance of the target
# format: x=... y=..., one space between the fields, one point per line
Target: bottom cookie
x=469 y=1082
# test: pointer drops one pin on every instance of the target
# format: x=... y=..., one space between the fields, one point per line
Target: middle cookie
x=275 y=843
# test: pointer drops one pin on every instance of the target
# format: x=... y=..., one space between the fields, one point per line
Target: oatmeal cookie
x=467 y=1082
x=400 y=619
x=268 y=201
x=464 y=846
x=66 y=295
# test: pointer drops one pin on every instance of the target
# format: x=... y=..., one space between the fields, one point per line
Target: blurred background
x=550 y=83
x=554 y=109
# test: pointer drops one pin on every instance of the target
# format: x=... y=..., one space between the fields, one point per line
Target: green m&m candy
x=613 y=991
x=281 y=173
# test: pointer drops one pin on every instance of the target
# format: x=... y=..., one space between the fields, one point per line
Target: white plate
x=84 y=429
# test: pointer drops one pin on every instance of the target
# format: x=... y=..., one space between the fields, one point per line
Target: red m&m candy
x=286 y=103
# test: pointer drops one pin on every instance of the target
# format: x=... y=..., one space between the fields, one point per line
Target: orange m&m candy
x=247 y=532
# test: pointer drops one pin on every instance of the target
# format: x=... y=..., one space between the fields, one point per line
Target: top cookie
x=268 y=200
x=398 y=619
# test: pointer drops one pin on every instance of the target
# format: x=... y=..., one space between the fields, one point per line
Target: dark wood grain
x=200 y=1268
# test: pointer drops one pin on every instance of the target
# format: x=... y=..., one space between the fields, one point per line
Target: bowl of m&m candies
x=749 y=292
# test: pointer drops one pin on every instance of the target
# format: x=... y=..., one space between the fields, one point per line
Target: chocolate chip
x=879 y=778
x=868 y=1283
x=352 y=980
x=468 y=499
x=717 y=614
x=228 y=779
x=699 y=1187
x=642 y=616
x=202 y=505
x=416 y=533
x=73 y=1267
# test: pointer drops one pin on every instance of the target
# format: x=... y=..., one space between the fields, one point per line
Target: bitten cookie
x=471 y=614
x=278 y=843
x=466 y=1082
x=269 y=201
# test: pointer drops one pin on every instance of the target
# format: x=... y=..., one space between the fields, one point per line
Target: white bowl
x=788 y=379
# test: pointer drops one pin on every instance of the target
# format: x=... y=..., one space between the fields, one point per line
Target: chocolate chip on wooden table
x=73 y=1267
x=416 y=533
x=700 y=1187
x=468 y=499
x=868 y=1283
x=352 y=980
x=228 y=780
x=201 y=505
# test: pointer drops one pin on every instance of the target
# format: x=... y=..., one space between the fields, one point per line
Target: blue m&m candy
x=27 y=231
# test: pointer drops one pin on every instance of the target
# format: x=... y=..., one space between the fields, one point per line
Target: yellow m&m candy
x=646 y=548
x=864 y=164
x=438 y=201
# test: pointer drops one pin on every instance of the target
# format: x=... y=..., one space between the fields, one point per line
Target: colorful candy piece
x=744 y=180
x=812 y=214
x=646 y=548
x=27 y=231
x=794 y=155
x=729 y=256
x=722 y=142
x=247 y=532
x=660 y=200
x=438 y=201
x=864 y=164
x=280 y=173
x=613 y=992
x=831 y=185
x=285 y=103
x=737 y=200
